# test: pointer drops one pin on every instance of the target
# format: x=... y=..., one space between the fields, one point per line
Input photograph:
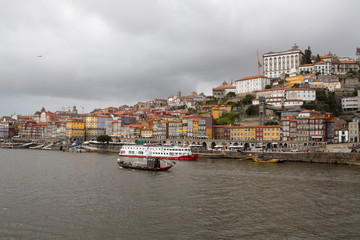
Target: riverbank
x=344 y=158
x=308 y=157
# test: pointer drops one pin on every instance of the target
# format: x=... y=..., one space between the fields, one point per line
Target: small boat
x=151 y=164
x=267 y=160
x=250 y=158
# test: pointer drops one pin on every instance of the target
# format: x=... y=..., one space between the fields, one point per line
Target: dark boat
x=151 y=164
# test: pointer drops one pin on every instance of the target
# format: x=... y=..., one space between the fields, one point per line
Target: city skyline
x=96 y=55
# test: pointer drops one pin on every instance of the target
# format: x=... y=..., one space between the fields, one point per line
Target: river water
x=61 y=195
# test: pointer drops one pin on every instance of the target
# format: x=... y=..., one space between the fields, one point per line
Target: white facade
x=279 y=103
x=277 y=63
x=342 y=136
x=305 y=94
x=350 y=104
x=274 y=92
x=323 y=68
x=251 y=84
x=299 y=94
x=310 y=68
x=334 y=85
x=4 y=129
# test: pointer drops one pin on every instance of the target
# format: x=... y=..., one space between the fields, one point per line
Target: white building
x=305 y=94
x=350 y=103
x=323 y=68
x=4 y=129
x=251 y=84
x=306 y=68
x=279 y=103
x=286 y=97
x=277 y=63
x=221 y=91
x=334 y=85
x=341 y=135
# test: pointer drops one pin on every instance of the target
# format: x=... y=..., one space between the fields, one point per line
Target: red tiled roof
x=251 y=77
x=348 y=62
x=229 y=86
x=293 y=49
x=271 y=89
x=306 y=65
x=295 y=89
x=327 y=56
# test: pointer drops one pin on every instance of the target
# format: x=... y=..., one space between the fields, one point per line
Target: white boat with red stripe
x=162 y=152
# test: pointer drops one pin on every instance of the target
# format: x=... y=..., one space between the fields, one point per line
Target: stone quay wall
x=310 y=157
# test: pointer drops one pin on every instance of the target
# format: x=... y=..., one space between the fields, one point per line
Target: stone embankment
x=346 y=158
x=310 y=157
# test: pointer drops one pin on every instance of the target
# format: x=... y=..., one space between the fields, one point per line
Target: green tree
x=271 y=123
x=355 y=93
x=268 y=87
x=252 y=110
x=247 y=99
x=227 y=118
x=325 y=103
x=351 y=74
x=317 y=58
x=103 y=138
x=306 y=58
x=211 y=102
x=231 y=94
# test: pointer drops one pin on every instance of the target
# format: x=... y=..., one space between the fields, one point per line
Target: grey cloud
x=100 y=53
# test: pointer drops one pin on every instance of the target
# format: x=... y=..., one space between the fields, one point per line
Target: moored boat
x=268 y=160
x=161 y=152
x=151 y=164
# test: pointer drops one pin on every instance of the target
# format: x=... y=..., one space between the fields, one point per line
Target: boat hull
x=269 y=161
x=193 y=157
x=127 y=166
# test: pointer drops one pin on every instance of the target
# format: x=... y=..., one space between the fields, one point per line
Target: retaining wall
x=320 y=157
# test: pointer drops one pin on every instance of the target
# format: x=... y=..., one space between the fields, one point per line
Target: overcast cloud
x=108 y=53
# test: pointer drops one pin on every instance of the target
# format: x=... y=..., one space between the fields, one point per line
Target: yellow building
x=146 y=133
x=225 y=108
x=195 y=128
x=184 y=127
x=219 y=132
x=242 y=133
x=295 y=80
x=91 y=127
x=75 y=129
x=217 y=111
x=271 y=132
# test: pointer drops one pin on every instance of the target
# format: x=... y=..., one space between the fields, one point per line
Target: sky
x=97 y=54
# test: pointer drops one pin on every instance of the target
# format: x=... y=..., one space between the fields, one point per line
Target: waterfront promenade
x=314 y=154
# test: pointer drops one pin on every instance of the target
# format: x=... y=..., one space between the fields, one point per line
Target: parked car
x=294 y=150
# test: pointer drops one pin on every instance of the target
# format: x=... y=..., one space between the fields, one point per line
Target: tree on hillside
x=355 y=93
x=306 y=58
x=325 y=102
x=230 y=94
x=247 y=99
x=317 y=58
x=227 y=118
x=351 y=74
x=103 y=138
x=252 y=110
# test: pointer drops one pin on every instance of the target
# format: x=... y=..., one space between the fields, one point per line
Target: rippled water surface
x=58 y=195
